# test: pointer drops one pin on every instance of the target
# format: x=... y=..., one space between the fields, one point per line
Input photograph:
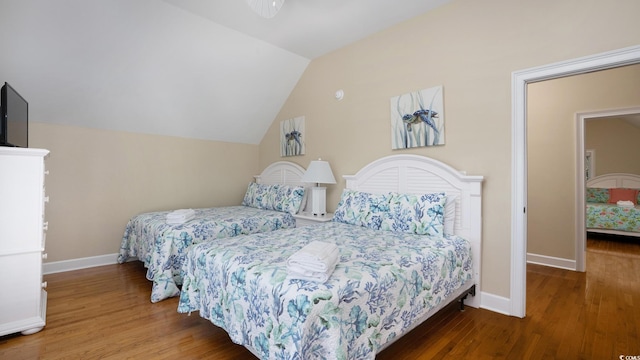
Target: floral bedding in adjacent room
x=162 y=246
x=613 y=217
x=382 y=284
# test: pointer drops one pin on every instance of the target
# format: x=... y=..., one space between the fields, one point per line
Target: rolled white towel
x=625 y=203
x=316 y=256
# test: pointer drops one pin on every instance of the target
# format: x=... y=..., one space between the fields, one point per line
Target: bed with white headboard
x=160 y=241
x=387 y=281
x=612 y=204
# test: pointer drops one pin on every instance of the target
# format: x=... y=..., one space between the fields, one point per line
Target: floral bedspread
x=162 y=246
x=613 y=217
x=383 y=283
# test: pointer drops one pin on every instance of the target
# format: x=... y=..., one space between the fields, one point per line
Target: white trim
x=519 y=81
x=581 y=213
x=495 y=303
x=80 y=263
x=555 y=262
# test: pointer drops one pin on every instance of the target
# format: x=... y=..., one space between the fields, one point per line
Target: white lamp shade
x=319 y=172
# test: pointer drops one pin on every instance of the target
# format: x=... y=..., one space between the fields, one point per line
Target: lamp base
x=318 y=200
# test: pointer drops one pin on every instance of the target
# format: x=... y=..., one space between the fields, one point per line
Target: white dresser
x=23 y=299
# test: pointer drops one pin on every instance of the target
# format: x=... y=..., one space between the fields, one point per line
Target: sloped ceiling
x=310 y=28
x=202 y=69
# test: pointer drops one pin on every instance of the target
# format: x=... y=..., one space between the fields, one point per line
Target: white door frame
x=581 y=232
x=519 y=81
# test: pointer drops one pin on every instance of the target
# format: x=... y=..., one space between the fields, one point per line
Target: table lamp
x=319 y=172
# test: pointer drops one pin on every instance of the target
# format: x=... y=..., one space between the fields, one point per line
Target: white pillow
x=450 y=215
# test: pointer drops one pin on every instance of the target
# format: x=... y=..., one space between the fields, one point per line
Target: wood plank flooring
x=105 y=313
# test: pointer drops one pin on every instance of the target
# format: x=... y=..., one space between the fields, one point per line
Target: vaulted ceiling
x=203 y=69
x=310 y=28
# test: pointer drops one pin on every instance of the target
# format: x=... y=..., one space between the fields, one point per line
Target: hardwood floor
x=105 y=313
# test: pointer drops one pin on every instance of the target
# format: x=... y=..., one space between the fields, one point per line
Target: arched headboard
x=282 y=172
x=615 y=180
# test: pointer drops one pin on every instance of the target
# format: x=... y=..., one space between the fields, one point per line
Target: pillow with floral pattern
x=361 y=208
x=597 y=195
x=276 y=197
x=287 y=198
x=253 y=195
x=417 y=214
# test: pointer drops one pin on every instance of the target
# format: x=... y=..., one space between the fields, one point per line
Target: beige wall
x=552 y=134
x=98 y=179
x=616 y=144
x=470 y=48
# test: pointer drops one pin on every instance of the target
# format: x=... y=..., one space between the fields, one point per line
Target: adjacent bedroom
x=613 y=177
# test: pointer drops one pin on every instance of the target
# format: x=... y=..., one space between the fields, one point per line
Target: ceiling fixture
x=266 y=8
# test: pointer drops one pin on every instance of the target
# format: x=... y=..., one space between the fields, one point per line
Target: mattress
x=383 y=284
x=161 y=246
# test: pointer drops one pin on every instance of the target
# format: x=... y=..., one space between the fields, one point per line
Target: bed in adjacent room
x=408 y=233
x=612 y=204
x=160 y=239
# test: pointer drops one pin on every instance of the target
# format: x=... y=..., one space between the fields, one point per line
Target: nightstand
x=307 y=218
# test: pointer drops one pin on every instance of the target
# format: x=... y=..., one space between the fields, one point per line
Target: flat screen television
x=14 y=123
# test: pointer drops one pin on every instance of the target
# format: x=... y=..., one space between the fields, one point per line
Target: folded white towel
x=180 y=216
x=181 y=213
x=315 y=256
x=295 y=272
x=315 y=261
x=179 y=221
x=625 y=203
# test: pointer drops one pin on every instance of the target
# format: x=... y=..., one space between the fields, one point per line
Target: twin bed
x=408 y=229
x=388 y=279
x=604 y=214
x=161 y=246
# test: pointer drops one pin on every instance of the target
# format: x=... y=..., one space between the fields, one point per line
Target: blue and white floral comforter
x=162 y=246
x=383 y=283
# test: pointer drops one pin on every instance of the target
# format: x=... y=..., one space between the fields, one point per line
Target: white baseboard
x=77 y=264
x=561 y=263
x=495 y=303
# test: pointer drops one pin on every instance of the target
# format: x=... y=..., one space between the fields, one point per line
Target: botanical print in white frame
x=292 y=138
x=417 y=119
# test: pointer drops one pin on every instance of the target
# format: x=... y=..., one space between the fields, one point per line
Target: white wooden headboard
x=287 y=173
x=615 y=180
x=419 y=174
x=282 y=172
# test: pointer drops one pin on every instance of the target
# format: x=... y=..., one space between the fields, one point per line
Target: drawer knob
x=44 y=256
x=44 y=284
